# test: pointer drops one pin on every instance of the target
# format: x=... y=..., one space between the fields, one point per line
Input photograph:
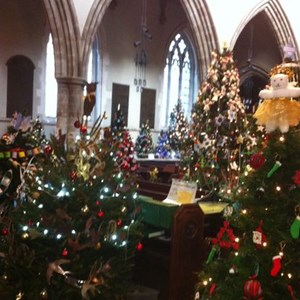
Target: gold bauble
x=98 y=246
x=36 y=195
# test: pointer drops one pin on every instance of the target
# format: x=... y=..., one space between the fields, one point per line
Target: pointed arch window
x=51 y=83
x=179 y=75
x=93 y=75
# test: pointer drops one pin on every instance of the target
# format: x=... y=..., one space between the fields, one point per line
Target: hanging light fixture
x=141 y=54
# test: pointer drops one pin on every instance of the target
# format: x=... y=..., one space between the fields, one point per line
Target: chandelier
x=140 y=51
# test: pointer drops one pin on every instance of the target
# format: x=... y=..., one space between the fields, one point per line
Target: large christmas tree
x=219 y=128
x=144 y=143
x=70 y=232
x=255 y=255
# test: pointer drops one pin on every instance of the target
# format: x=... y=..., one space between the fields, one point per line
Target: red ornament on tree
x=225 y=238
x=83 y=129
x=77 y=124
x=48 y=149
x=296 y=177
x=4 y=231
x=139 y=246
x=100 y=214
x=64 y=252
x=252 y=289
x=257 y=160
x=259 y=238
x=73 y=175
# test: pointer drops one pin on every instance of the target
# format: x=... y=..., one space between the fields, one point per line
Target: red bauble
x=48 y=149
x=100 y=214
x=253 y=289
x=64 y=252
x=257 y=160
x=4 y=231
x=296 y=177
x=139 y=246
x=83 y=129
x=73 y=175
x=77 y=124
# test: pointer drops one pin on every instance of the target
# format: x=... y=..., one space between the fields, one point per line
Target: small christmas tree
x=144 y=142
x=178 y=130
x=163 y=148
x=219 y=129
x=74 y=233
x=123 y=143
x=255 y=255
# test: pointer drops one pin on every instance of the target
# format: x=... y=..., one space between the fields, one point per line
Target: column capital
x=71 y=81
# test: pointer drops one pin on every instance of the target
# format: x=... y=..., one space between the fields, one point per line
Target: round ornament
x=253 y=289
x=48 y=149
x=257 y=160
x=4 y=231
x=77 y=124
x=296 y=177
x=83 y=129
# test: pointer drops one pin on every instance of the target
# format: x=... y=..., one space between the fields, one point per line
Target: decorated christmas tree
x=255 y=255
x=122 y=141
x=23 y=139
x=163 y=148
x=70 y=231
x=144 y=142
x=222 y=142
x=178 y=130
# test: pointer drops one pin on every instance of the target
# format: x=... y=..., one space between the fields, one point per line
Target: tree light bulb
x=289 y=275
x=205 y=282
x=278 y=188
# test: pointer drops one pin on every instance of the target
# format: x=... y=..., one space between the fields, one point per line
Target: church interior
x=99 y=78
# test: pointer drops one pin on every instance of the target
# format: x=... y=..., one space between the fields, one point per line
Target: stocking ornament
x=276 y=265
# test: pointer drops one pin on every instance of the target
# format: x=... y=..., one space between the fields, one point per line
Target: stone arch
x=203 y=30
x=91 y=27
x=66 y=37
x=278 y=20
x=197 y=13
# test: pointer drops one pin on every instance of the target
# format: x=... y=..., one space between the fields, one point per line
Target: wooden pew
x=169 y=263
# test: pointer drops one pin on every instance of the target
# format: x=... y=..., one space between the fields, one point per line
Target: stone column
x=69 y=106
